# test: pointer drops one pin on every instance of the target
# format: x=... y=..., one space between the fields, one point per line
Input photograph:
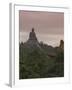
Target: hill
x=38 y=60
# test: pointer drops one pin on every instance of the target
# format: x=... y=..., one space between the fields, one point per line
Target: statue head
x=32 y=29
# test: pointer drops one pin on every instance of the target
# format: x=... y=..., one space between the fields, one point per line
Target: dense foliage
x=36 y=63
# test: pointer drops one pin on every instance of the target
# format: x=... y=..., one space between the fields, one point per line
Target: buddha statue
x=32 y=35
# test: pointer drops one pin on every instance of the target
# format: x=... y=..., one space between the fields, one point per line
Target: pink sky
x=49 y=26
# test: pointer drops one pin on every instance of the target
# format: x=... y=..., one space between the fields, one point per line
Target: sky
x=48 y=26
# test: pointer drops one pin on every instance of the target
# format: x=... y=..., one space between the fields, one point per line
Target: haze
x=49 y=26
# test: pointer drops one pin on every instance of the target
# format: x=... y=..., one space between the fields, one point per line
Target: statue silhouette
x=32 y=35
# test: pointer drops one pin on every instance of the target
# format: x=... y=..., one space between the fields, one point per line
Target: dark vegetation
x=35 y=62
x=39 y=60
